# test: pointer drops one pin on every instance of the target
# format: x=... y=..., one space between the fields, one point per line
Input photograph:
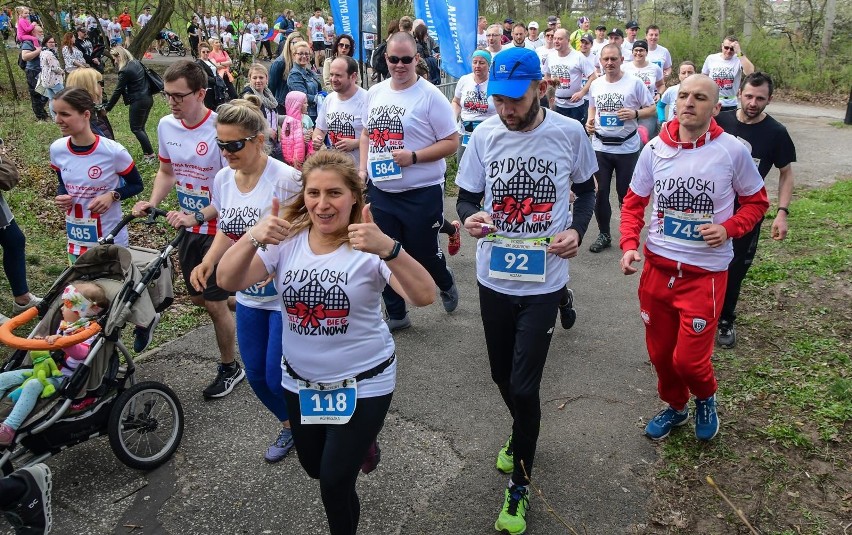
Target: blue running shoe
x=281 y=447
x=706 y=419
x=662 y=424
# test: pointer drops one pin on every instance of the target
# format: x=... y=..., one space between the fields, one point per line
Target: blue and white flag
x=346 y=15
x=455 y=22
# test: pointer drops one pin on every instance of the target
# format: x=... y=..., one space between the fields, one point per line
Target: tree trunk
x=696 y=11
x=8 y=63
x=510 y=8
x=748 y=20
x=723 y=6
x=151 y=31
x=828 y=31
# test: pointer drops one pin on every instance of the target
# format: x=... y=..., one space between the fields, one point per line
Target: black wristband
x=397 y=247
x=413 y=157
x=637 y=115
x=784 y=209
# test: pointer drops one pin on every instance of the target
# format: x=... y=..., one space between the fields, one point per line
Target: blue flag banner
x=423 y=10
x=455 y=22
x=346 y=15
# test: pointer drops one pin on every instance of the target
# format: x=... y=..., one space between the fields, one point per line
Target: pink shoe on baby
x=7 y=435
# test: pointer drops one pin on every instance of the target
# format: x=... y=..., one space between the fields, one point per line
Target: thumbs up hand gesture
x=366 y=236
x=271 y=230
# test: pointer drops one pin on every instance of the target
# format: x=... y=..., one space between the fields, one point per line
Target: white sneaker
x=17 y=309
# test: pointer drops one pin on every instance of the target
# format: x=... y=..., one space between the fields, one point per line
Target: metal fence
x=448 y=87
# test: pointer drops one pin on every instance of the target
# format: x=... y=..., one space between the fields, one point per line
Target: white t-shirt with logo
x=627 y=50
x=86 y=176
x=650 y=74
x=481 y=41
x=411 y=119
x=239 y=211
x=246 y=42
x=697 y=181
x=526 y=177
x=195 y=159
x=726 y=73
x=669 y=98
x=343 y=119
x=332 y=311
x=535 y=45
x=114 y=30
x=476 y=105
x=316 y=27
x=660 y=57
x=596 y=49
x=570 y=71
x=607 y=98
x=262 y=30
x=543 y=53
x=329 y=34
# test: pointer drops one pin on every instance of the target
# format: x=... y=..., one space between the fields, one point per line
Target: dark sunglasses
x=344 y=45
x=727 y=48
x=406 y=60
x=101 y=83
x=234 y=146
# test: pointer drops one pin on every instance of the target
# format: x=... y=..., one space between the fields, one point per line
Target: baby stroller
x=144 y=420
x=170 y=43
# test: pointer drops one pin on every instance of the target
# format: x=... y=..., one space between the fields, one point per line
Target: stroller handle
x=8 y=338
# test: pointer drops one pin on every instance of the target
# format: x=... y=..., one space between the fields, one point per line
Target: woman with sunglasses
x=242 y=195
x=93 y=82
x=344 y=45
x=302 y=78
x=133 y=87
x=279 y=70
x=334 y=338
x=94 y=174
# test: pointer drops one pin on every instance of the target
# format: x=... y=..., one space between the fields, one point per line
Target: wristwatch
x=199 y=218
x=116 y=196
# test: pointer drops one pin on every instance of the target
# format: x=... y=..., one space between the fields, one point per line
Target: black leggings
x=623 y=165
x=745 y=248
x=139 y=110
x=517 y=334
x=334 y=453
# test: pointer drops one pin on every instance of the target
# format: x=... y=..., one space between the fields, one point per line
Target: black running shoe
x=226 y=379
x=30 y=515
x=567 y=314
x=603 y=241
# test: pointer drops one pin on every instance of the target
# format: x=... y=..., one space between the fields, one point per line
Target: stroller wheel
x=182 y=52
x=146 y=425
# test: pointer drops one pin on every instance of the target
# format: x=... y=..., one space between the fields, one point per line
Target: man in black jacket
x=91 y=54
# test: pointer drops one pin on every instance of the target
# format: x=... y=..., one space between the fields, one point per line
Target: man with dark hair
x=189 y=160
x=725 y=68
x=770 y=145
x=519 y=37
x=657 y=53
x=632 y=28
x=526 y=156
x=693 y=170
x=507 y=31
x=341 y=117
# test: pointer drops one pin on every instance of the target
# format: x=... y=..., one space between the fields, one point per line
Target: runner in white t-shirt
x=481 y=40
x=652 y=76
x=331 y=263
x=522 y=167
x=408 y=131
x=657 y=53
x=189 y=161
x=316 y=31
x=242 y=196
x=693 y=170
x=725 y=68
x=341 y=116
x=144 y=17
x=567 y=69
x=94 y=174
x=618 y=102
x=669 y=97
x=471 y=104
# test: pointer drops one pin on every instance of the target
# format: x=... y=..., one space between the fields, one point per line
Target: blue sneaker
x=281 y=447
x=661 y=425
x=706 y=419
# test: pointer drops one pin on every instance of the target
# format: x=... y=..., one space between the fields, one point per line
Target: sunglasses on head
x=234 y=146
x=406 y=60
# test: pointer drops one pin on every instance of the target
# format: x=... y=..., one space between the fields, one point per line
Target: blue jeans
x=259 y=338
x=29 y=396
x=13 y=242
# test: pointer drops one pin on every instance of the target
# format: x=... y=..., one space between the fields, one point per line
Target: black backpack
x=21 y=63
x=379 y=63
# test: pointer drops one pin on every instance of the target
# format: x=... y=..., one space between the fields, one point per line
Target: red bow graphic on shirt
x=517 y=211
x=310 y=315
x=380 y=137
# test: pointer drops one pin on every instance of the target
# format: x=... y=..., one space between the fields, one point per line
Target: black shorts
x=191 y=251
x=319 y=46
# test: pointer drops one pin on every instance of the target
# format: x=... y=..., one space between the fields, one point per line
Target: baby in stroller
x=170 y=42
x=82 y=302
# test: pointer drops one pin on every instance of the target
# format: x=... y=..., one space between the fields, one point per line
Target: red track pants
x=680 y=305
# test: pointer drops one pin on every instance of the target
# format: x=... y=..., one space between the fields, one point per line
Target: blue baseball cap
x=511 y=72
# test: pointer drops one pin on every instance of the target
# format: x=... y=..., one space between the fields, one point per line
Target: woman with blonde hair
x=335 y=342
x=243 y=194
x=93 y=82
x=133 y=86
x=279 y=70
x=258 y=85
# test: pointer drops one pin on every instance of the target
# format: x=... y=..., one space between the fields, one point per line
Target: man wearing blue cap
x=524 y=164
